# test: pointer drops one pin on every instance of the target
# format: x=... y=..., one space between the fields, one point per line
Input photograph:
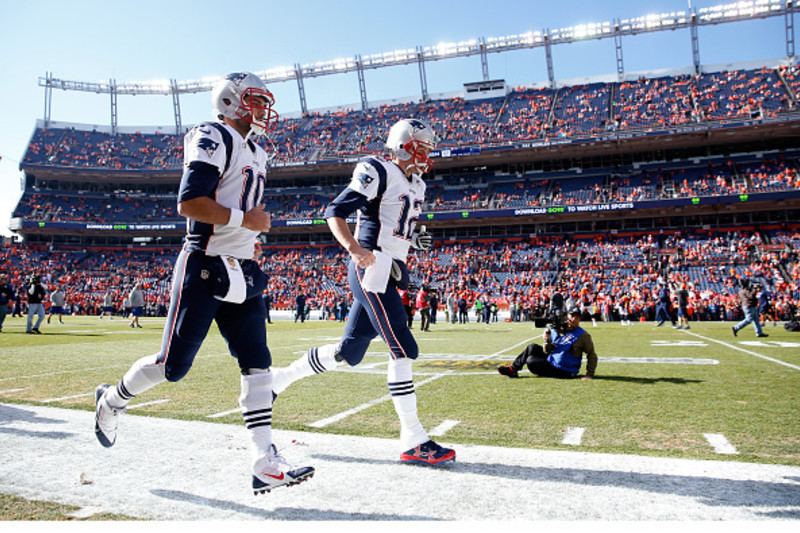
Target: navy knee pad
x=175 y=373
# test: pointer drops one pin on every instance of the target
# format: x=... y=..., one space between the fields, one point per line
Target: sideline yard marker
x=573 y=436
x=720 y=444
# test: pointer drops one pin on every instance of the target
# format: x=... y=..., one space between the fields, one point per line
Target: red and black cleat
x=506 y=370
x=428 y=453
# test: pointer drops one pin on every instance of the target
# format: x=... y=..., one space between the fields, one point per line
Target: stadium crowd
x=524 y=114
x=611 y=278
x=481 y=191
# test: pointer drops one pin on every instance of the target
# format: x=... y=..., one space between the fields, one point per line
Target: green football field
x=699 y=394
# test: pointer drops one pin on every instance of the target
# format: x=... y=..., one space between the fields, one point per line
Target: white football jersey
x=242 y=167
x=393 y=207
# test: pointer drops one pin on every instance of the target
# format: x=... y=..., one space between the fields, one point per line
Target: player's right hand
x=257 y=219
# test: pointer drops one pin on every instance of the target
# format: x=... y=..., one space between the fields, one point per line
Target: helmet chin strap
x=410 y=173
x=250 y=133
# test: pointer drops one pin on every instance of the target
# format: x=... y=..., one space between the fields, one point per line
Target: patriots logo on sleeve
x=207 y=145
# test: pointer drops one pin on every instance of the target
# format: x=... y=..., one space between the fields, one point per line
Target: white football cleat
x=272 y=471
x=105 y=417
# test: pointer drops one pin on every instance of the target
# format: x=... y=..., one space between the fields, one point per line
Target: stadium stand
x=613 y=186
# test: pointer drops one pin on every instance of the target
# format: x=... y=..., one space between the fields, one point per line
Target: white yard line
x=51 y=400
x=504 y=350
x=443 y=428
x=110 y=367
x=795 y=367
x=344 y=414
x=225 y=413
x=8 y=391
x=57 y=373
x=720 y=444
x=154 y=402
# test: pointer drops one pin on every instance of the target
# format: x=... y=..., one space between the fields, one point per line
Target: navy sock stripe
x=313 y=360
x=258 y=419
x=257 y=412
x=123 y=392
x=401 y=388
x=258 y=425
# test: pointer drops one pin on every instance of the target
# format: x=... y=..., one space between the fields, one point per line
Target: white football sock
x=404 y=398
x=315 y=361
x=142 y=376
x=256 y=403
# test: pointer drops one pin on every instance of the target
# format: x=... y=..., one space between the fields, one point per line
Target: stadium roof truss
x=618 y=28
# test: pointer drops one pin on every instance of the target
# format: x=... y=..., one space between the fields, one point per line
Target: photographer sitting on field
x=562 y=353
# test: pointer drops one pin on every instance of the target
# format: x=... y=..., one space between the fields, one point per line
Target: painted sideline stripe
x=13 y=390
x=344 y=414
x=720 y=444
x=443 y=428
x=795 y=367
x=573 y=436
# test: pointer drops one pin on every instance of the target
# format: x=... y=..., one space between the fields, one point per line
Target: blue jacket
x=561 y=357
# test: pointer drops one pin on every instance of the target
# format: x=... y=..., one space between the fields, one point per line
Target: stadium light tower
x=619 y=28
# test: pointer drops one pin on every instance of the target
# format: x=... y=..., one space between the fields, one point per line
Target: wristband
x=236 y=218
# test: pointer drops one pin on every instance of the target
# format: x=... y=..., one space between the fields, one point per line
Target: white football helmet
x=233 y=97
x=405 y=139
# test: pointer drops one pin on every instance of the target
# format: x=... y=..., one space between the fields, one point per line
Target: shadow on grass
x=648 y=381
x=624 y=379
x=47 y=333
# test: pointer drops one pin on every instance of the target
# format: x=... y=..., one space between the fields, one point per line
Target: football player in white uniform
x=216 y=277
x=388 y=197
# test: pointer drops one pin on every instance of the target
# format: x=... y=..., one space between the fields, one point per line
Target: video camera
x=556 y=317
x=745 y=283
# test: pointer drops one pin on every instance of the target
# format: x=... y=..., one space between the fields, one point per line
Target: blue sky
x=149 y=40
